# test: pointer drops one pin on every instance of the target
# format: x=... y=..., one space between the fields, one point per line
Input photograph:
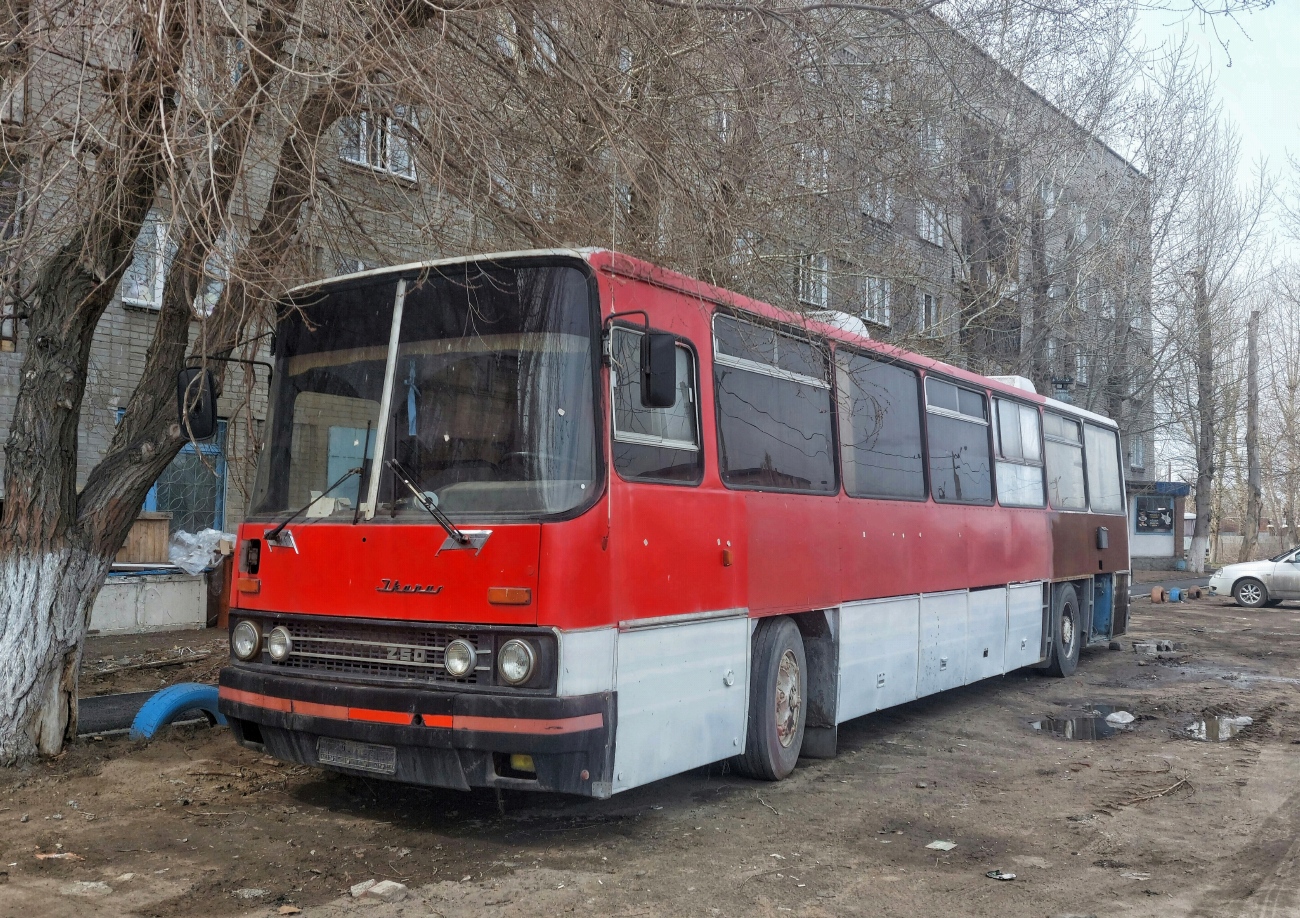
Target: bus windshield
x=491 y=402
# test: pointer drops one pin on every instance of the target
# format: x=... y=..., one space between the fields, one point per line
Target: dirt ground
x=1148 y=822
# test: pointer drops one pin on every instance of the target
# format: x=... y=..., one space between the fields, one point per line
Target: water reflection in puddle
x=1217 y=729
x=1090 y=725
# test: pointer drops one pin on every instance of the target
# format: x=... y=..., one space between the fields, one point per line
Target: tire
x=1273 y=602
x=778 y=684
x=1250 y=593
x=163 y=707
x=1067 y=633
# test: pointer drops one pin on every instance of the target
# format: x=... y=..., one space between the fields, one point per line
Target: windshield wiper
x=422 y=499
x=274 y=534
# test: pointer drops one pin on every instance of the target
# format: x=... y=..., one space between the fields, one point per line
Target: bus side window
x=1019 y=455
x=957 y=420
x=774 y=409
x=1104 y=485
x=880 y=428
x=1064 y=448
x=653 y=444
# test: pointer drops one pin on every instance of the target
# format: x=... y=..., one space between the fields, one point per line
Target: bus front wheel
x=1067 y=636
x=778 y=683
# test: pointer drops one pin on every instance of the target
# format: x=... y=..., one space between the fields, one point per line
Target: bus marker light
x=726 y=557
x=520 y=762
x=249 y=585
x=510 y=596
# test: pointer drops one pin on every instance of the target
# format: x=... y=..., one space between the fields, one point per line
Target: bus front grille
x=381 y=653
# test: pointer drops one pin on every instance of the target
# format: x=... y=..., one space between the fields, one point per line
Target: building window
x=877 y=201
x=1050 y=193
x=813 y=168
x=1154 y=515
x=877 y=306
x=927 y=312
x=929 y=222
x=1080 y=367
x=193 y=487
x=1137 y=453
x=11 y=217
x=11 y=101
x=814 y=281
x=380 y=142
x=142 y=284
x=933 y=144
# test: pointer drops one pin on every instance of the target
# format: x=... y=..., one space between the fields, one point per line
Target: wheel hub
x=788 y=703
x=1250 y=593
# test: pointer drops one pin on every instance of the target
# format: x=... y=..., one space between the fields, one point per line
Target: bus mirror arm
x=405 y=478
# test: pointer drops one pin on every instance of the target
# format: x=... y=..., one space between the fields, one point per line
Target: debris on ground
x=387 y=891
x=999 y=875
x=1120 y=718
x=86 y=888
x=250 y=893
x=942 y=845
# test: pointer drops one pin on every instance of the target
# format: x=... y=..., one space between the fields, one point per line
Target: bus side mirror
x=196 y=408
x=658 y=370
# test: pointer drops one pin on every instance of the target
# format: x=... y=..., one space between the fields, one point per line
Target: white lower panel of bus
x=682 y=697
x=895 y=650
x=878 y=654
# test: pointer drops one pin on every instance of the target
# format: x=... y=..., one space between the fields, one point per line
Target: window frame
x=1041 y=464
x=361 y=121
x=659 y=443
x=765 y=369
x=1119 y=468
x=1083 y=455
x=957 y=415
x=162 y=258
x=920 y=378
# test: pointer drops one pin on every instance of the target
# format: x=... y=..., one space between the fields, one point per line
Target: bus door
x=678 y=581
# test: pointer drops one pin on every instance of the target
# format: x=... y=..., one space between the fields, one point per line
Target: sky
x=1256 y=61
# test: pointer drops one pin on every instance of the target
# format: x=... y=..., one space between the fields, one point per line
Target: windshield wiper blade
x=274 y=534
x=406 y=478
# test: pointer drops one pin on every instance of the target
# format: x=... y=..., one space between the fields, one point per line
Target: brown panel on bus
x=1074 y=544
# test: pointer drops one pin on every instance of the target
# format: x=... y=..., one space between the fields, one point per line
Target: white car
x=1260 y=583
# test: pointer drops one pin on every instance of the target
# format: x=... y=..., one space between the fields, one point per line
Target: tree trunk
x=1254 y=494
x=1202 y=329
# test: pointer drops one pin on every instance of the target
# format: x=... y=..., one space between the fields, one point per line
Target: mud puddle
x=1216 y=729
x=1091 y=724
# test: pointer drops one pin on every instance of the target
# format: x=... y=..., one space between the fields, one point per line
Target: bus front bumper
x=417 y=736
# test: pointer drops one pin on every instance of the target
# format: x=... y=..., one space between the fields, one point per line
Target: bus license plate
x=381 y=760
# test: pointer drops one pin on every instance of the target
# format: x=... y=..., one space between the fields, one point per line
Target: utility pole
x=1254 y=492
x=1202 y=329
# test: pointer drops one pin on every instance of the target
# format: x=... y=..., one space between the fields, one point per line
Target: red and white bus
x=567 y=521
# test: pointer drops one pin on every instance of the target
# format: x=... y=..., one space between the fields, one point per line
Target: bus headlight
x=246 y=640
x=459 y=658
x=279 y=643
x=516 y=661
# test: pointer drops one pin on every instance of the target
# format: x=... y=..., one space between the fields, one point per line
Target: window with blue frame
x=193 y=487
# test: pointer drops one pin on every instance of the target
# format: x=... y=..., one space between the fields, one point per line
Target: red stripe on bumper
x=380 y=717
x=529 y=725
x=239 y=696
x=459 y=722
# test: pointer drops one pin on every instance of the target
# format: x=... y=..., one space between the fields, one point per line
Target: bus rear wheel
x=1067 y=636
x=778 y=683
